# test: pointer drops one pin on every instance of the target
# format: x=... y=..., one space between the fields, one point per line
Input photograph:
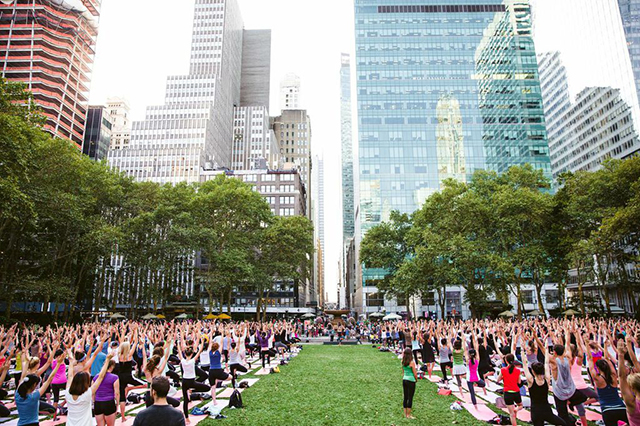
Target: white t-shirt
x=189 y=368
x=234 y=357
x=80 y=409
x=204 y=358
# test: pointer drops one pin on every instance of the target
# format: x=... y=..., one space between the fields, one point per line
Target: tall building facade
x=630 y=16
x=97 y=135
x=293 y=132
x=49 y=45
x=290 y=92
x=346 y=133
x=317 y=186
x=193 y=130
x=444 y=89
x=254 y=141
x=121 y=125
x=581 y=30
x=585 y=132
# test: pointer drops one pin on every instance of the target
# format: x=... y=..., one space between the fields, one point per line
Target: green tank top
x=458 y=358
x=408 y=373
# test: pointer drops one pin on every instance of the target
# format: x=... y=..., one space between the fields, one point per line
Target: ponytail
x=511 y=360
x=28 y=383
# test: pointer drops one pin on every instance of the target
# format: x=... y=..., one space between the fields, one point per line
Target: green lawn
x=347 y=385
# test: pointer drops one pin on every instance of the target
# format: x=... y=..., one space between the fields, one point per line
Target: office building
x=49 y=46
x=630 y=16
x=193 y=130
x=317 y=186
x=256 y=68
x=97 y=135
x=254 y=141
x=290 y=92
x=585 y=132
x=589 y=36
x=346 y=134
x=121 y=125
x=293 y=132
x=441 y=93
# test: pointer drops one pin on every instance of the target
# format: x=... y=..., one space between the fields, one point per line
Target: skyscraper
x=193 y=130
x=97 y=135
x=317 y=186
x=293 y=131
x=444 y=89
x=254 y=141
x=596 y=126
x=348 y=212
x=49 y=46
x=630 y=15
x=290 y=92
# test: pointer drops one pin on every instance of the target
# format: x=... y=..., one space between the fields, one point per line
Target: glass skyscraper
x=444 y=88
x=630 y=15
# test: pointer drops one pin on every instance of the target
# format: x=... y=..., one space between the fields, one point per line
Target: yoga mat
x=482 y=413
x=227 y=393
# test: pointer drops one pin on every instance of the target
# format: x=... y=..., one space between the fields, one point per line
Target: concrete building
x=121 y=125
x=286 y=194
x=441 y=93
x=293 y=132
x=317 y=185
x=49 y=46
x=193 y=130
x=255 y=84
x=97 y=135
x=583 y=133
x=290 y=92
x=254 y=141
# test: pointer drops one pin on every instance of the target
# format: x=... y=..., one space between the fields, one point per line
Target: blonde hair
x=123 y=350
x=634 y=382
x=34 y=362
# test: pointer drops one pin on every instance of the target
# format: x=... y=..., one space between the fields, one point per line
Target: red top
x=511 y=380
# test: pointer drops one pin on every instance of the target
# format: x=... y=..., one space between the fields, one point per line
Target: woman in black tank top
x=538 y=384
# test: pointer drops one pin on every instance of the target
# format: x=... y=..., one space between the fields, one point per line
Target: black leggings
x=472 y=390
x=233 y=368
x=126 y=380
x=4 y=411
x=191 y=384
x=540 y=415
x=148 y=401
x=612 y=417
x=415 y=355
x=409 y=389
x=266 y=354
x=443 y=367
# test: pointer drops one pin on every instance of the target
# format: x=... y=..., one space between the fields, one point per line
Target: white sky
x=141 y=42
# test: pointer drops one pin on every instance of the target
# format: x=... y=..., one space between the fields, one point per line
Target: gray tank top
x=563 y=386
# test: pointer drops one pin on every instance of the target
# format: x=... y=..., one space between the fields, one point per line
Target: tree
x=385 y=247
x=231 y=217
x=285 y=253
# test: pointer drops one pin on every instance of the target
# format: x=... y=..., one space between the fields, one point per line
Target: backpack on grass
x=236 y=400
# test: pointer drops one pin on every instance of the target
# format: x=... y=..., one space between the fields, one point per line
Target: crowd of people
x=566 y=364
x=97 y=365
x=87 y=371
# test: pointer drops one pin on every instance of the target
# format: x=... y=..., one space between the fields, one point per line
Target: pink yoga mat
x=482 y=413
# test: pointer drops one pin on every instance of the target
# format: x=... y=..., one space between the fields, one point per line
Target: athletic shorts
x=104 y=407
x=217 y=374
x=512 y=398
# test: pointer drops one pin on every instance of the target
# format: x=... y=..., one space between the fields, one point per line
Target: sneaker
x=220 y=417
